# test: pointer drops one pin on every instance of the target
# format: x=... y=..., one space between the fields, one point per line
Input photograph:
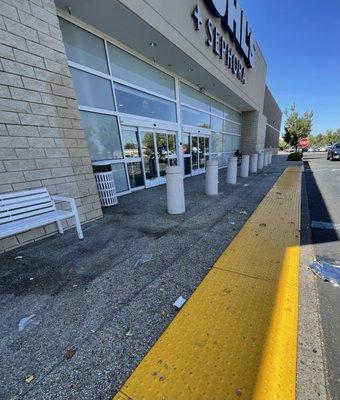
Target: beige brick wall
x=42 y=142
x=274 y=117
x=253 y=132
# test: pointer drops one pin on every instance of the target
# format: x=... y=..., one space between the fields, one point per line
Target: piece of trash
x=179 y=302
x=231 y=222
x=246 y=184
x=74 y=286
x=327 y=271
x=243 y=212
x=31 y=279
x=28 y=321
x=29 y=378
x=239 y=392
x=129 y=333
x=69 y=353
x=144 y=259
x=18 y=257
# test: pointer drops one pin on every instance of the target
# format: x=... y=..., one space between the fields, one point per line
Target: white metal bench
x=21 y=211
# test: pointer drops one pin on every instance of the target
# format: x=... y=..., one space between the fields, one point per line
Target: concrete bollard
x=266 y=159
x=245 y=167
x=211 y=178
x=260 y=160
x=270 y=157
x=175 y=190
x=253 y=162
x=232 y=171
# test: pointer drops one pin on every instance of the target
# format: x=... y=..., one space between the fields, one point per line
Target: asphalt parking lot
x=101 y=308
x=323 y=189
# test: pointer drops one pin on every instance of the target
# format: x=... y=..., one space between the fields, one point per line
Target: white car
x=322 y=149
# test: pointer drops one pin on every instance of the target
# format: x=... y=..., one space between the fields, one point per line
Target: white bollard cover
x=211 y=178
x=253 y=162
x=260 y=160
x=245 y=166
x=175 y=190
x=232 y=171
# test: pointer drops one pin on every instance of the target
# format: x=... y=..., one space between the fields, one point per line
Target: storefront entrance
x=158 y=151
x=195 y=153
x=148 y=153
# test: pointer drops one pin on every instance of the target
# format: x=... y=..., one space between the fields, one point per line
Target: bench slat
x=8 y=203
x=22 y=216
x=23 y=210
x=19 y=205
x=22 y=194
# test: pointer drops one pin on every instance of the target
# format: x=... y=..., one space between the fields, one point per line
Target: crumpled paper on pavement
x=327 y=271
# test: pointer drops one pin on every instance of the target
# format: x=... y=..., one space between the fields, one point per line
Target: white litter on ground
x=144 y=259
x=326 y=271
x=28 y=321
x=178 y=304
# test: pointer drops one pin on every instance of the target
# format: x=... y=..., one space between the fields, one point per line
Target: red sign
x=303 y=143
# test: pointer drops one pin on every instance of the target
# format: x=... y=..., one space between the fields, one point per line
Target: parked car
x=322 y=149
x=334 y=152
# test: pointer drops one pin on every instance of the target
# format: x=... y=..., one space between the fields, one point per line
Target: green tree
x=297 y=126
x=324 y=139
x=283 y=145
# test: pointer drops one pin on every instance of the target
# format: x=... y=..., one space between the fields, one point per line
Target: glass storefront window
x=186 y=144
x=194 y=98
x=135 y=174
x=207 y=145
x=201 y=144
x=195 y=118
x=217 y=108
x=119 y=177
x=187 y=166
x=195 y=152
x=135 y=102
x=217 y=124
x=149 y=155
x=83 y=47
x=92 y=91
x=130 y=144
x=227 y=142
x=133 y=70
x=236 y=142
x=228 y=127
x=162 y=152
x=102 y=136
x=172 y=145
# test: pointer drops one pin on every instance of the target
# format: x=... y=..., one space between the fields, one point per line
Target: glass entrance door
x=199 y=154
x=158 y=151
x=132 y=157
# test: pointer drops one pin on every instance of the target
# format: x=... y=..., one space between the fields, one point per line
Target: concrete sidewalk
x=96 y=297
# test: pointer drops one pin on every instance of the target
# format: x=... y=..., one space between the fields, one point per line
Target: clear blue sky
x=300 y=40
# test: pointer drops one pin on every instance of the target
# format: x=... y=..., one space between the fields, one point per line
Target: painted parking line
x=237 y=335
x=325 y=225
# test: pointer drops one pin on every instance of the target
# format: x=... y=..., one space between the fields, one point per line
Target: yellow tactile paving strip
x=236 y=338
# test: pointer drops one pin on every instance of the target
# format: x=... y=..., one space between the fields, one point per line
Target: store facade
x=138 y=117
x=130 y=87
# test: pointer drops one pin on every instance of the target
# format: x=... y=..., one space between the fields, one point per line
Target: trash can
x=106 y=186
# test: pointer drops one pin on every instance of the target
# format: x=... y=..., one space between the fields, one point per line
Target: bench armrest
x=72 y=203
x=70 y=200
x=62 y=198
